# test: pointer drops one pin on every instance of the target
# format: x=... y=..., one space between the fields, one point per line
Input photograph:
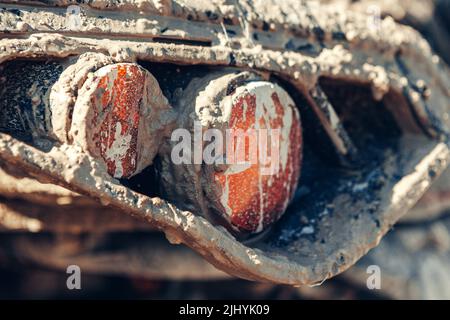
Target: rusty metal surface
x=319 y=236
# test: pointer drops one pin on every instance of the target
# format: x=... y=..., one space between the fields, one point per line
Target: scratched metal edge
x=80 y=173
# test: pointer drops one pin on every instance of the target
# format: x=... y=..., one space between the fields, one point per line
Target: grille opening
x=200 y=43
x=316 y=141
x=144 y=182
x=173 y=77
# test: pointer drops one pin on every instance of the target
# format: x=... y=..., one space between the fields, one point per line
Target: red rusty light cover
x=117 y=117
